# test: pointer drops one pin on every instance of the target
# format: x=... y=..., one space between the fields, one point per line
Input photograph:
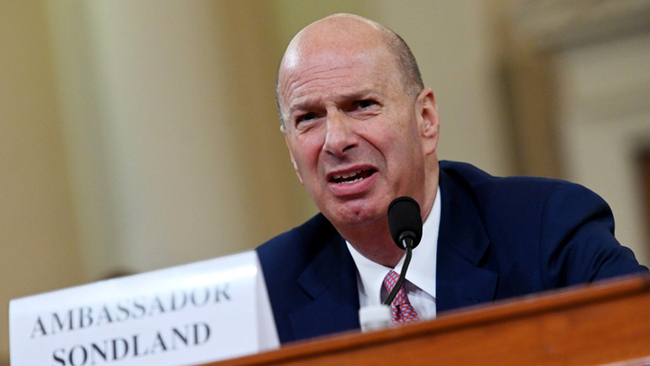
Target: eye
x=305 y=117
x=364 y=104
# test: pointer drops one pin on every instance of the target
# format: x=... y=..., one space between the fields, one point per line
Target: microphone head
x=404 y=221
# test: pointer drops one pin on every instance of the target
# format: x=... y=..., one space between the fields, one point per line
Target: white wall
x=605 y=121
x=38 y=242
x=455 y=46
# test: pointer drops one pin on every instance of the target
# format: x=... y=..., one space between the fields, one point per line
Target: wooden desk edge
x=572 y=297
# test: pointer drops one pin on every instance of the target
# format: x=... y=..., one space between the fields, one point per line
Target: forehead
x=308 y=76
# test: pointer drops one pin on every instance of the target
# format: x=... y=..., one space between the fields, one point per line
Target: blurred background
x=142 y=135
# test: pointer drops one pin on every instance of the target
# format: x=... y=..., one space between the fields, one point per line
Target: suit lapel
x=330 y=280
x=462 y=243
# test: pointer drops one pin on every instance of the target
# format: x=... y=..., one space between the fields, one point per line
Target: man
x=362 y=130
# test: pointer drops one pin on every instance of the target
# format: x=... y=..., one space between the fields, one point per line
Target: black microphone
x=405 y=224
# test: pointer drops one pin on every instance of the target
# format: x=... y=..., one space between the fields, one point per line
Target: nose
x=340 y=136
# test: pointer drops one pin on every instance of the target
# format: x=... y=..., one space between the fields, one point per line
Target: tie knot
x=403 y=311
x=390 y=280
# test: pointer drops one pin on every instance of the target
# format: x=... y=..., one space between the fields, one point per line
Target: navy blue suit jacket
x=498 y=238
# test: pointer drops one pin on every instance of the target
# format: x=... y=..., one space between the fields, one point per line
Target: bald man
x=362 y=130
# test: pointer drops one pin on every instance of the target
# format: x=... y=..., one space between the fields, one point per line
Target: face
x=356 y=139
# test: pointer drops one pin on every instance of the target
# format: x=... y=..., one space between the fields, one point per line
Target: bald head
x=354 y=33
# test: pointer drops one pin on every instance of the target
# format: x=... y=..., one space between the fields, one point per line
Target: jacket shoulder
x=562 y=229
x=512 y=193
x=299 y=244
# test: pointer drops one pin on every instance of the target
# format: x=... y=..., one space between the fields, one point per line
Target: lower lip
x=350 y=189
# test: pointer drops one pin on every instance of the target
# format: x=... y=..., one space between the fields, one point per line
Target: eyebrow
x=308 y=102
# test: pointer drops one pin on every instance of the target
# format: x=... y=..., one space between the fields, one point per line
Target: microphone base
x=375 y=317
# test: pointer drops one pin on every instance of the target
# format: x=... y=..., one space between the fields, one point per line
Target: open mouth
x=352 y=177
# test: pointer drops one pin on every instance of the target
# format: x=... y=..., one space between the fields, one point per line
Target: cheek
x=388 y=136
x=306 y=150
x=400 y=144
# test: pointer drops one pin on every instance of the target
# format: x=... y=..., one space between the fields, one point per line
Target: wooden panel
x=604 y=323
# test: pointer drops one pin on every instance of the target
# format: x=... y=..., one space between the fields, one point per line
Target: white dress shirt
x=420 y=283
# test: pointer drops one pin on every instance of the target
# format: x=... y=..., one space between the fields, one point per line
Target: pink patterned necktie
x=403 y=311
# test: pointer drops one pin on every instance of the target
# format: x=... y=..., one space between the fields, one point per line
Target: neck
x=375 y=243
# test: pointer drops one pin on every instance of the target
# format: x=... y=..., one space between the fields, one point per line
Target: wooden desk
x=598 y=324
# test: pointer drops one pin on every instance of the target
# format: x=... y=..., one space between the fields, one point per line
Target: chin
x=358 y=216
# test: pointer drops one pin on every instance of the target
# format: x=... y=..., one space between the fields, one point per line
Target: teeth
x=352 y=181
x=349 y=178
x=349 y=175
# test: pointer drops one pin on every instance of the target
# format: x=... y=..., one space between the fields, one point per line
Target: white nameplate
x=186 y=315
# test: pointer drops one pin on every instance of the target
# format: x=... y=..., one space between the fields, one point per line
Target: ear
x=427 y=115
x=293 y=160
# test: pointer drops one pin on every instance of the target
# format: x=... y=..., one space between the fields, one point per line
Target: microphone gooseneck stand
x=408 y=244
x=405 y=224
